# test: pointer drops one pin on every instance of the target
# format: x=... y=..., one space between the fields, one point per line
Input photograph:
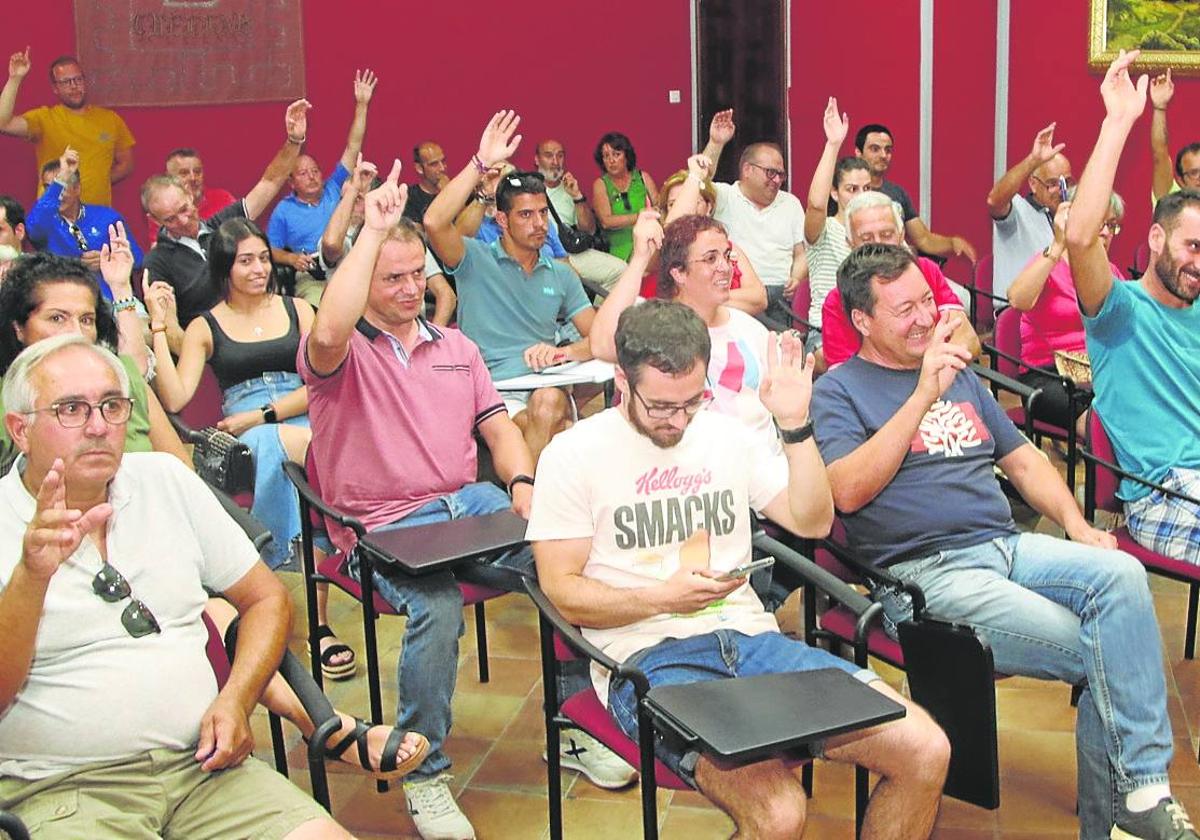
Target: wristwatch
x=519 y=479
x=268 y=413
x=581 y=200
x=796 y=435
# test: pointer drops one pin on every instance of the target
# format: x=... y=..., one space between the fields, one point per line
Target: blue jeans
x=722 y=654
x=1054 y=609
x=428 y=665
x=276 y=503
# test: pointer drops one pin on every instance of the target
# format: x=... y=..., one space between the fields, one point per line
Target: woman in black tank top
x=250 y=340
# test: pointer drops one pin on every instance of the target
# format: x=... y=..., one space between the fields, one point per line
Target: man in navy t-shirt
x=911 y=438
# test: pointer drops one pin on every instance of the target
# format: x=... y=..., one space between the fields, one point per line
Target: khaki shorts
x=161 y=793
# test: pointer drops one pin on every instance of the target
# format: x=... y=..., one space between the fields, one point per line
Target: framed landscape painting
x=1166 y=31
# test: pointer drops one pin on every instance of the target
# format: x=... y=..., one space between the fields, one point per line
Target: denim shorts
x=723 y=654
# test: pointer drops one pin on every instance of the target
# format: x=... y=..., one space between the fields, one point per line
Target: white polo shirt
x=768 y=235
x=95 y=693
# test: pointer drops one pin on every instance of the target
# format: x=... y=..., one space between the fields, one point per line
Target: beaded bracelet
x=479 y=167
x=124 y=305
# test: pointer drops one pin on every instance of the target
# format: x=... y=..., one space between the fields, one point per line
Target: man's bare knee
x=764 y=800
x=548 y=407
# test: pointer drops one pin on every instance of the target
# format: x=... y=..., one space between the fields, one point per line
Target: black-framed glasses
x=71 y=81
x=772 y=174
x=72 y=414
x=112 y=587
x=665 y=412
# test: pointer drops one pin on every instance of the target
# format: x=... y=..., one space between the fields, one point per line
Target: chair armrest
x=875 y=574
x=11 y=825
x=1027 y=393
x=975 y=290
x=1089 y=457
x=810 y=572
x=297 y=476
x=186 y=433
x=571 y=635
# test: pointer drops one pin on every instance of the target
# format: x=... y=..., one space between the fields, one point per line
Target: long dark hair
x=19 y=297
x=222 y=251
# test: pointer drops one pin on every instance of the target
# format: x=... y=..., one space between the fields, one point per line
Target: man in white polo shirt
x=765 y=221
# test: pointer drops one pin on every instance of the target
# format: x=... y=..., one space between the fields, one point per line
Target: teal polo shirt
x=505 y=311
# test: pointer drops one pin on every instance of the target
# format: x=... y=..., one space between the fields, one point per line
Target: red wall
x=443 y=69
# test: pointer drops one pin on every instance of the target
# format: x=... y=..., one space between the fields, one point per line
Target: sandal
x=389 y=768
x=334 y=670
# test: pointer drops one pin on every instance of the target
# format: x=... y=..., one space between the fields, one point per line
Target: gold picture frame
x=1166 y=31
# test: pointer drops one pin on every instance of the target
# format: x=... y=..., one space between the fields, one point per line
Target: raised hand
x=18 y=64
x=116 y=261
x=722 y=129
x=385 y=205
x=364 y=175
x=55 y=532
x=700 y=166
x=68 y=164
x=836 y=126
x=1043 y=145
x=160 y=300
x=647 y=233
x=1123 y=100
x=500 y=140
x=571 y=185
x=1060 y=223
x=943 y=360
x=787 y=388
x=295 y=119
x=364 y=86
x=1161 y=90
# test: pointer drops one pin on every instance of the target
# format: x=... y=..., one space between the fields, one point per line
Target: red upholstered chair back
x=1008 y=339
x=802 y=299
x=984 y=311
x=204 y=408
x=1106 y=480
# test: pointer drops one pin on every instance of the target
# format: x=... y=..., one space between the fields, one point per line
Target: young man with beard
x=690 y=477
x=1142 y=336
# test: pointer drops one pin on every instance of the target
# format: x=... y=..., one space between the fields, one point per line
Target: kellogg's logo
x=655 y=480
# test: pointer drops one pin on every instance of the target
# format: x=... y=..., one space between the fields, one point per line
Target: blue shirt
x=505 y=311
x=52 y=232
x=1146 y=375
x=489 y=232
x=297 y=226
x=945 y=494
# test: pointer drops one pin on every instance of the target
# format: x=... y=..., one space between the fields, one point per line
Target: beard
x=1170 y=274
x=552 y=175
x=664 y=437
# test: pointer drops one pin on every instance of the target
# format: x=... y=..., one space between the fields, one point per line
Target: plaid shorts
x=1166 y=524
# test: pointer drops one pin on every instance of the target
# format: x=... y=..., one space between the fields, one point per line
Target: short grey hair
x=156 y=184
x=873 y=198
x=20 y=397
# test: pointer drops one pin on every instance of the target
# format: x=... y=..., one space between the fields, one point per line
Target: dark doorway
x=742 y=56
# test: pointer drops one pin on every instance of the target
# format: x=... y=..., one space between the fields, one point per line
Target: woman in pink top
x=1044 y=291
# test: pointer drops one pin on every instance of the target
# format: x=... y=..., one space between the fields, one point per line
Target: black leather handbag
x=574 y=240
x=223 y=461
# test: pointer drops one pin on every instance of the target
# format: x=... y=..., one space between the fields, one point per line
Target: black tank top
x=236 y=361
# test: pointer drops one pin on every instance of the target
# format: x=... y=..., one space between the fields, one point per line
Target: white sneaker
x=434 y=811
x=603 y=767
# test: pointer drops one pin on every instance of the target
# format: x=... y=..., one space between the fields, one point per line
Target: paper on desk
x=590 y=371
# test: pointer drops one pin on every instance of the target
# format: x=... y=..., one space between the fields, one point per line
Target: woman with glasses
x=621 y=192
x=1044 y=291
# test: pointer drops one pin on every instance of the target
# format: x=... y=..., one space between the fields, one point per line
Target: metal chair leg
x=278 y=748
x=481 y=642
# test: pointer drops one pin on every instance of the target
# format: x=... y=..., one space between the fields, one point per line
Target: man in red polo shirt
x=394 y=402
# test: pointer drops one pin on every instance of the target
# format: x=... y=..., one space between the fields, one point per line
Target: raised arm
x=116 y=267
x=18 y=69
x=584 y=220
x=333 y=239
x=999 y=200
x=499 y=142
x=647 y=239
x=1123 y=104
x=281 y=166
x=928 y=242
x=687 y=194
x=1163 y=176
x=720 y=132
x=1027 y=286
x=345 y=298
x=176 y=383
x=817 y=209
x=364 y=89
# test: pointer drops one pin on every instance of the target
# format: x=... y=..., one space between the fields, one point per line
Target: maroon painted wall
x=561 y=75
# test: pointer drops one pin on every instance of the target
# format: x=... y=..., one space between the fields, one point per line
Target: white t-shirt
x=1025 y=231
x=563 y=203
x=95 y=693
x=603 y=480
x=735 y=371
x=767 y=236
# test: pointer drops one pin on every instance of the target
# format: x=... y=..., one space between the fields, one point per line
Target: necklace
x=258 y=330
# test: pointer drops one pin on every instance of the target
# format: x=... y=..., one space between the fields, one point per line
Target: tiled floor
x=496 y=745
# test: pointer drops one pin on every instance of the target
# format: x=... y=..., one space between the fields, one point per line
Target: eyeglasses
x=1053 y=183
x=1113 y=226
x=779 y=175
x=72 y=414
x=715 y=258
x=112 y=587
x=666 y=412
x=71 y=81
x=625 y=200
x=1191 y=175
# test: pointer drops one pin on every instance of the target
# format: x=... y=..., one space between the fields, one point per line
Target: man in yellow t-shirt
x=104 y=142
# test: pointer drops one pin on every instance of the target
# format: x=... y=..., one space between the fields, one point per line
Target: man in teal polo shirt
x=511 y=298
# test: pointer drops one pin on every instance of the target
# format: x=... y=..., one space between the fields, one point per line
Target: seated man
x=430 y=163
x=873 y=143
x=62 y=224
x=638 y=563
x=411 y=396
x=1142 y=339
x=299 y=219
x=180 y=255
x=185 y=164
x=1184 y=173
x=106 y=561
x=511 y=297
x=912 y=437
x=872 y=217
